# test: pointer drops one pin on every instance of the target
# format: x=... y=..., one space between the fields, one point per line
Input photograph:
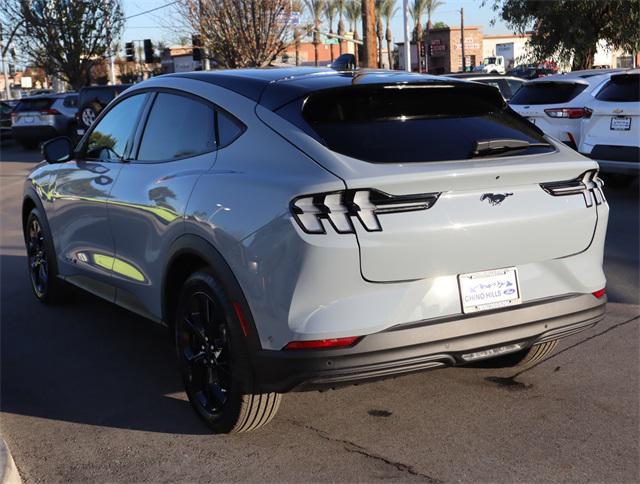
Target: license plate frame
x=492 y=289
x=620 y=123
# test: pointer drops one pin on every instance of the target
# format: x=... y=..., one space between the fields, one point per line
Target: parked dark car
x=92 y=101
x=531 y=72
x=507 y=85
x=6 y=107
x=39 y=118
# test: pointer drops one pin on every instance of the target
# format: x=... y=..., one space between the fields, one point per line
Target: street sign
x=329 y=41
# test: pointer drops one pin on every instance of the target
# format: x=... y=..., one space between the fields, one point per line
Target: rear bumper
x=426 y=345
x=34 y=133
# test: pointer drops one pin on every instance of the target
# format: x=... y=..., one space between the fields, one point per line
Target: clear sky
x=166 y=26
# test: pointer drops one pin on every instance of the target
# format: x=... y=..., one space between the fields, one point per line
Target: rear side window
x=229 y=128
x=621 y=88
x=38 y=104
x=547 y=93
x=70 y=102
x=177 y=127
x=395 y=124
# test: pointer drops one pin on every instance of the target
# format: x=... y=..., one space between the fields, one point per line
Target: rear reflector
x=243 y=321
x=323 y=343
x=599 y=293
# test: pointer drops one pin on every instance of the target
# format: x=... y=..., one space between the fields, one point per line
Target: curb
x=8 y=471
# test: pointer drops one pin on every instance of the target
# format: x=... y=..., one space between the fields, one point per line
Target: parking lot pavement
x=89 y=392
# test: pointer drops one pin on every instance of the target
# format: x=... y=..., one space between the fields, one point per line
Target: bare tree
x=67 y=38
x=240 y=33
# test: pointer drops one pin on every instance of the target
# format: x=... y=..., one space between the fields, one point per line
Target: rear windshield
x=387 y=124
x=547 y=93
x=621 y=88
x=37 y=104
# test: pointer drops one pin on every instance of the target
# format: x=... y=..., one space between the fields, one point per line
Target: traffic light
x=130 y=51
x=196 y=42
x=422 y=50
x=148 y=51
x=430 y=50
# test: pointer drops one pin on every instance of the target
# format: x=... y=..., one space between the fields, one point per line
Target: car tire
x=214 y=362
x=523 y=358
x=41 y=261
x=89 y=113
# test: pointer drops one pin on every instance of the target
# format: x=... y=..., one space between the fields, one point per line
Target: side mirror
x=57 y=150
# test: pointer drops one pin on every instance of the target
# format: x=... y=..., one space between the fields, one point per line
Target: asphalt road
x=89 y=392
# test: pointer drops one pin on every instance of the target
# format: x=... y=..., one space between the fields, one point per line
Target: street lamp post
x=407 y=41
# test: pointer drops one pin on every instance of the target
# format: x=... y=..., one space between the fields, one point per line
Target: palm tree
x=297 y=6
x=387 y=12
x=432 y=5
x=316 y=8
x=353 y=12
x=379 y=29
x=417 y=10
x=330 y=9
x=340 y=11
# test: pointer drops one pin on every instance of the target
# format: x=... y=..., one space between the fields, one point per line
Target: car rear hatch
x=548 y=104
x=34 y=111
x=615 y=114
x=444 y=179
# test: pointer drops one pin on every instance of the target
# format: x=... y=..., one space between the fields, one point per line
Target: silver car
x=42 y=117
x=302 y=229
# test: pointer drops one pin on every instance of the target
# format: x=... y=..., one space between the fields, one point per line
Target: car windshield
x=415 y=123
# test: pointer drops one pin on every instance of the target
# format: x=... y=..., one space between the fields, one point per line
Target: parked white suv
x=610 y=130
x=556 y=103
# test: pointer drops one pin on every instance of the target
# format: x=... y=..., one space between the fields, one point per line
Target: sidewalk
x=8 y=472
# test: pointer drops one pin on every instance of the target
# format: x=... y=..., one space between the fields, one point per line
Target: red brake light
x=599 y=293
x=53 y=112
x=570 y=113
x=323 y=343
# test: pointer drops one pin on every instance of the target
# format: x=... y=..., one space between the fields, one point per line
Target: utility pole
x=369 y=33
x=407 y=38
x=5 y=66
x=112 y=69
x=205 y=56
x=464 y=60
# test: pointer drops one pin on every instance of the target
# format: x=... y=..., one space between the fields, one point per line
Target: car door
x=149 y=199
x=80 y=189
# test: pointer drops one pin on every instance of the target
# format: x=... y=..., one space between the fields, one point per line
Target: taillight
x=569 y=113
x=53 y=112
x=599 y=293
x=342 y=207
x=588 y=185
x=323 y=343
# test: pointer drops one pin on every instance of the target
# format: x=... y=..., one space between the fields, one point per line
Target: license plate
x=27 y=119
x=620 y=123
x=480 y=291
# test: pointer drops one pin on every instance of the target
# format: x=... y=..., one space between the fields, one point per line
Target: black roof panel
x=275 y=87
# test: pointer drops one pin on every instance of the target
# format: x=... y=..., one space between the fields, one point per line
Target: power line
x=152 y=10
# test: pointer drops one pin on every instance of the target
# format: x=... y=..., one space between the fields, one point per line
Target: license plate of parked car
x=620 y=123
x=497 y=288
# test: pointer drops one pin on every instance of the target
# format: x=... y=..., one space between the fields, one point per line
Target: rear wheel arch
x=188 y=254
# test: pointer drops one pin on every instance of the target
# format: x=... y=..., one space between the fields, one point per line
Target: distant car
x=610 y=129
x=39 y=118
x=531 y=72
x=555 y=104
x=92 y=101
x=6 y=107
x=507 y=85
